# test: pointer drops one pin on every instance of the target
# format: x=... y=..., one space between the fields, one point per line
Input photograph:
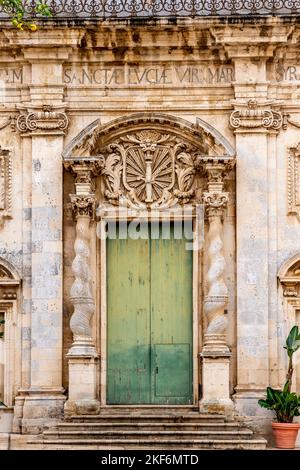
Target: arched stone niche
x=289 y=279
x=143 y=162
x=10 y=344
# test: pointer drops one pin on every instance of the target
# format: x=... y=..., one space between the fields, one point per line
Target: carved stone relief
x=294 y=181
x=149 y=169
x=45 y=119
x=255 y=115
x=5 y=185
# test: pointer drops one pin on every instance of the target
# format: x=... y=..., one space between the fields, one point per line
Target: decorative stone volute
x=43 y=120
x=255 y=115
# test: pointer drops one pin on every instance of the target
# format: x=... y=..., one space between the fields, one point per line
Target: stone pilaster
x=255 y=123
x=82 y=356
x=42 y=123
x=216 y=354
x=43 y=399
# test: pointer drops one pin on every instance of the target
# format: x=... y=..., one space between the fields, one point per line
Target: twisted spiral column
x=215 y=302
x=217 y=296
x=81 y=294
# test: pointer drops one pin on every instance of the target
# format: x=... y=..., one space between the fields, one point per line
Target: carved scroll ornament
x=46 y=119
x=254 y=115
x=149 y=169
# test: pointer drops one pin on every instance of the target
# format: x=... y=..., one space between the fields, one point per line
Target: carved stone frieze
x=149 y=169
x=47 y=119
x=294 y=181
x=255 y=115
x=5 y=185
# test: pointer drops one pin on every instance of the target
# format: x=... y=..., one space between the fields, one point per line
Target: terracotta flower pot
x=285 y=434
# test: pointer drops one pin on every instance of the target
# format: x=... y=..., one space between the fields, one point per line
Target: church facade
x=150 y=215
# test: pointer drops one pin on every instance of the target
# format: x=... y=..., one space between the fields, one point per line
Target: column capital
x=255 y=116
x=42 y=120
x=83 y=205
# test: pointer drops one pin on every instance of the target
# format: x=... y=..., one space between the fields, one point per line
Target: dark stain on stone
x=119 y=52
x=136 y=36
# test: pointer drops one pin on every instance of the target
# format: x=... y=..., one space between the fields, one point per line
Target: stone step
x=136 y=417
x=131 y=426
x=145 y=444
x=145 y=434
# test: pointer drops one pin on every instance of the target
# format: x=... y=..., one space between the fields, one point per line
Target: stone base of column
x=41 y=407
x=215 y=377
x=83 y=384
x=246 y=399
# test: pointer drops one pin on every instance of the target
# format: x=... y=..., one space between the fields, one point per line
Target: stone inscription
x=156 y=75
x=289 y=73
x=13 y=75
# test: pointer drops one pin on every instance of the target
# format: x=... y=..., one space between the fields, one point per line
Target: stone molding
x=256 y=116
x=5 y=185
x=293 y=182
x=43 y=120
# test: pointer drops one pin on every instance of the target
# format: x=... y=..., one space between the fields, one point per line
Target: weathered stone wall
x=241 y=79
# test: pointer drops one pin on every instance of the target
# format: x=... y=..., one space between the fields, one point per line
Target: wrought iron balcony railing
x=126 y=9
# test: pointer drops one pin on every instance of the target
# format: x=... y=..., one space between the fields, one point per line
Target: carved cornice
x=45 y=120
x=215 y=199
x=294 y=181
x=83 y=205
x=84 y=171
x=5 y=185
x=256 y=116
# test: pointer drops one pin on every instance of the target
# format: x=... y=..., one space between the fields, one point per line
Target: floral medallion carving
x=149 y=169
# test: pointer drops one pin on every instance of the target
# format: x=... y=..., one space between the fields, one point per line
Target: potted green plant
x=285 y=403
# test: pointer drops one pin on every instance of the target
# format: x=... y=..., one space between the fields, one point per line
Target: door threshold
x=149 y=406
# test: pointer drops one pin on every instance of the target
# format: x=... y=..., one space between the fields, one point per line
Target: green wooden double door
x=149 y=320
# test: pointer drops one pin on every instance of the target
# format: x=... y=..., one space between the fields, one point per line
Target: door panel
x=171 y=314
x=149 y=321
x=172 y=373
x=128 y=332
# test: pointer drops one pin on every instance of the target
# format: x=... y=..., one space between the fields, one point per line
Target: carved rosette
x=47 y=119
x=149 y=170
x=216 y=200
x=255 y=115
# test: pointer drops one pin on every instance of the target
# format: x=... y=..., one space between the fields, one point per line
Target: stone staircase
x=125 y=429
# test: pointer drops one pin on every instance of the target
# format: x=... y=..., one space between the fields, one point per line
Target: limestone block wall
x=241 y=79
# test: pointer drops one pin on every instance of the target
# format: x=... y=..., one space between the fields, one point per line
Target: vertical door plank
x=128 y=340
x=171 y=320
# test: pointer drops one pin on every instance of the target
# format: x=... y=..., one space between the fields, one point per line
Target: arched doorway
x=138 y=169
